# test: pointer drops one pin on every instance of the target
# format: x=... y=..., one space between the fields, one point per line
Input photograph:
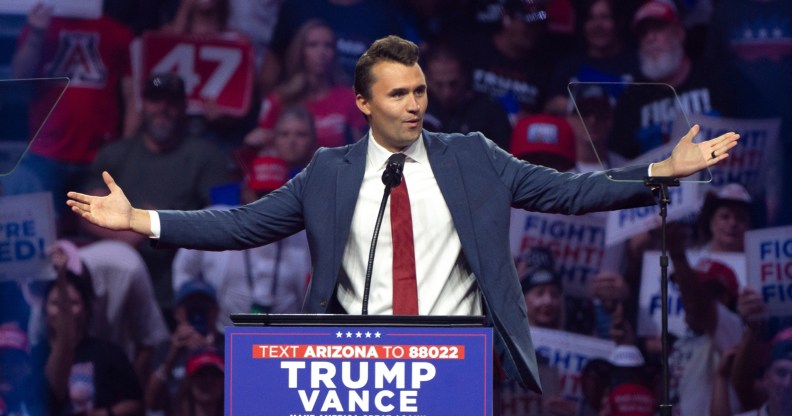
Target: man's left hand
x=688 y=158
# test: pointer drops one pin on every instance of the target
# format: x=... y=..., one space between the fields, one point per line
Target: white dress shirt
x=446 y=286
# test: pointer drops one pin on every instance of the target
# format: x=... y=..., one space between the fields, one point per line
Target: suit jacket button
x=323 y=303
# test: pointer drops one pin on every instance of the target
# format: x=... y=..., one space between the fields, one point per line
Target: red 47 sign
x=215 y=70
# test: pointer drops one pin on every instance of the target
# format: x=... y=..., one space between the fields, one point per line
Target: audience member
x=18 y=391
x=777 y=380
x=195 y=314
x=507 y=65
x=209 y=19
x=313 y=80
x=591 y=119
x=94 y=55
x=356 y=23
x=607 y=55
x=454 y=107
x=629 y=393
x=125 y=311
x=544 y=140
x=751 y=357
x=201 y=391
x=645 y=113
x=161 y=167
x=595 y=379
x=542 y=289
x=295 y=138
x=270 y=278
x=82 y=374
x=709 y=295
x=724 y=218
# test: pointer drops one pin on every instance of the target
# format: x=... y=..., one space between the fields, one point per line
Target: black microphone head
x=392 y=175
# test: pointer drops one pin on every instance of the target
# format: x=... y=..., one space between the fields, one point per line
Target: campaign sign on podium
x=358 y=370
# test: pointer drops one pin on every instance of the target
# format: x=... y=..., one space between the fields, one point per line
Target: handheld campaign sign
x=769 y=259
x=628 y=119
x=18 y=125
x=358 y=365
x=214 y=69
x=27 y=228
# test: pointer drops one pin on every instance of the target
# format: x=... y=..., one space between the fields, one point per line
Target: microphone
x=392 y=176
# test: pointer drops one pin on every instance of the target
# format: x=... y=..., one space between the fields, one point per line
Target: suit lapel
x=448 y=175
x=348 y=182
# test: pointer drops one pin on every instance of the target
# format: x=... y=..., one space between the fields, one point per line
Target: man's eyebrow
x=398 y=91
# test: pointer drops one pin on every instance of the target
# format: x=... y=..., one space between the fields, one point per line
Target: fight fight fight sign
x=358 y=371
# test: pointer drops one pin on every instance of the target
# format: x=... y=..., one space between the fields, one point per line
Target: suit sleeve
x=541 y=189
x=271 y=218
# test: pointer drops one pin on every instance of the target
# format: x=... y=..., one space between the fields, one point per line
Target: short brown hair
x=390 y=48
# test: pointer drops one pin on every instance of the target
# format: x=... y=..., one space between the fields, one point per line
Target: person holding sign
x=457 y=189
x=709 y=295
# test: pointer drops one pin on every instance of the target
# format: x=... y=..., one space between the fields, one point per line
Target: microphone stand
x=391 y=177
x=662 y=183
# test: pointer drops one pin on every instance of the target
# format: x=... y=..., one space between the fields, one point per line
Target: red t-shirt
x=94 y=55
x=333 y=114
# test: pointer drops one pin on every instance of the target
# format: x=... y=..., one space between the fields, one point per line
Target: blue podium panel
x=358 y=371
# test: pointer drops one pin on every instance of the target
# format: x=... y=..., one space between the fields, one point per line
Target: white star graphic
x=349 y=335
x=368 y=334
x=377 y=334
x=358 y=334
x=339 y=334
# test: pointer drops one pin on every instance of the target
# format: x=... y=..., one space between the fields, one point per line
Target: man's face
x=445 y=81
x=162 y=118
x=661 y=49
x=397 y=104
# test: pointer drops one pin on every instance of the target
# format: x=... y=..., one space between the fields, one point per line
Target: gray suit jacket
x=479 y=182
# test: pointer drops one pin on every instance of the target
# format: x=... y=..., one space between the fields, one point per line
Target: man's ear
x=362 y=104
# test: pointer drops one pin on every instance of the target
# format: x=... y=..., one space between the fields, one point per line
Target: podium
x=356 y=365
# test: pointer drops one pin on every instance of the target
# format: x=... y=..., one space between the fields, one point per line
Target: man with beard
x=645 y=113
x=161 y=167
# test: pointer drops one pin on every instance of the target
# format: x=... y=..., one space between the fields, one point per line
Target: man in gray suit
x=460 y=191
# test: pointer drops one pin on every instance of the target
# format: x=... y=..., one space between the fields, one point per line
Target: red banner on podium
x=215 y=69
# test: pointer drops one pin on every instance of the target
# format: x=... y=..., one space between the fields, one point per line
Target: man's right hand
x=113 y=211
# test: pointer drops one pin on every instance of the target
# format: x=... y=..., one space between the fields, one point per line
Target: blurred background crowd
x=196 y=103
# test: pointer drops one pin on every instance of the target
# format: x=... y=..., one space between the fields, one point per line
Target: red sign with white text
x=216 y=70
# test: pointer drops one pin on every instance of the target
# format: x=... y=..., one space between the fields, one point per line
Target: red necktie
x=405 y=287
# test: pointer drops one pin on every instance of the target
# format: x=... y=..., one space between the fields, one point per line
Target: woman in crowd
x=315 y=81
x=83 y=375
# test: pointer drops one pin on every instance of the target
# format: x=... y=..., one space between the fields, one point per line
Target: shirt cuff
x=648 y=174
x=155 y=224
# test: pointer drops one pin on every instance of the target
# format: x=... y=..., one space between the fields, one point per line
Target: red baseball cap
x=543 y=134
x=267 y=173
x=204 y=358
x=709 y=270
x=658 y=10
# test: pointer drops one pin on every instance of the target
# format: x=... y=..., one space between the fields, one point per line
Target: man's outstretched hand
x=688 y=158
x=113 y=211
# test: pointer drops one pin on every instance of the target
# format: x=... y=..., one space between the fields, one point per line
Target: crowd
x=117 y=327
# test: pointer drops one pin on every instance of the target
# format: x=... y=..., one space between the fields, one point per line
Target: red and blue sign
x=358 y=371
